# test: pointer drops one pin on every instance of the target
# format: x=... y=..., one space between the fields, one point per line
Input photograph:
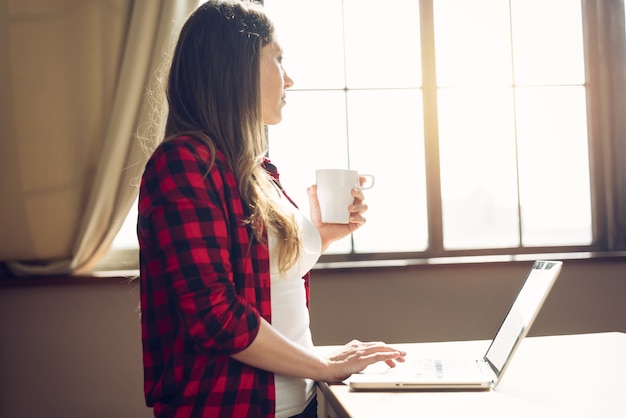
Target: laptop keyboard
x=435 y=367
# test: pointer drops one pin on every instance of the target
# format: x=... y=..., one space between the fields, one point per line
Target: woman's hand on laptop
x=356 y=356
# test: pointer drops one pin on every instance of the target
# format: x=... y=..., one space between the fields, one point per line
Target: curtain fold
x=76 y=111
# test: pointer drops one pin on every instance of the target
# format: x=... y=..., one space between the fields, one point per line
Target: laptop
x=470 y=374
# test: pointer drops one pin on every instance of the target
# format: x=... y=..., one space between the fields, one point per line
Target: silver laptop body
x=480 y=374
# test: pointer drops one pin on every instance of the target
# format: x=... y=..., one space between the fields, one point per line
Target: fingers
x=356 y=214
x=358 y=195
x=357 y=208
x=378 y=352
x=356 y=356
x=389 y=357
x=368 y=351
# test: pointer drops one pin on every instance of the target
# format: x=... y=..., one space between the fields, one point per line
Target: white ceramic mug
x=334 y=191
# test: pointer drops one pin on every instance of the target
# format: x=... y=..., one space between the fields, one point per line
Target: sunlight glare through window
x=511 y=108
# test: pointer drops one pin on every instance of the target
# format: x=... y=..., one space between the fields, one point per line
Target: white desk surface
x=556 y=376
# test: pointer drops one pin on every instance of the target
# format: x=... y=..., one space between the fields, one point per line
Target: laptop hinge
x=488 y=369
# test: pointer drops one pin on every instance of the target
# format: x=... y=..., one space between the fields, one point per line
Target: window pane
x=386 y=134
x=472 y=41
x=314 y=58
x=478 y=168
x=382 y=43
x=554 y=166
x=311 y=135
x=548 y=42
x=514 y=166
x=127 y=236
x=314 y=126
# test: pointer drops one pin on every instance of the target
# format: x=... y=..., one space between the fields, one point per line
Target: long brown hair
x=213 y=93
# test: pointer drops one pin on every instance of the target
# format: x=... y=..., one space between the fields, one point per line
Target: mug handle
x=369 y=183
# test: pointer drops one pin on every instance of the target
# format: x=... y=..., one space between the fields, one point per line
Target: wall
x=462 y=302
x=70 y=348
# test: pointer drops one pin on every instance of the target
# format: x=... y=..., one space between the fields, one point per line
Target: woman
x=224 y=253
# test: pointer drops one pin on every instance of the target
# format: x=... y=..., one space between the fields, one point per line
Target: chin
x=274 y=120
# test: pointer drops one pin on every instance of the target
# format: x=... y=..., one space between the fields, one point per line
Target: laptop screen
x=522 y=313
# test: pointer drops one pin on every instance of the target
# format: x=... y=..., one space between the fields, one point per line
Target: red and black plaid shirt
x=205 y=283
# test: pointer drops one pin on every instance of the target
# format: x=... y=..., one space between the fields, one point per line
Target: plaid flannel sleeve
x=190 y=222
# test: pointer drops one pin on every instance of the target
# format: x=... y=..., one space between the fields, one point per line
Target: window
x=474 y=116
x=493 y=127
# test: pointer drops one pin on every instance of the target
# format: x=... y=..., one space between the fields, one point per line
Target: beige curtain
x=73 y=106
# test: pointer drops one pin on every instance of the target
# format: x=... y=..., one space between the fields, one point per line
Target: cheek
x=268 y=87
x=271 y=78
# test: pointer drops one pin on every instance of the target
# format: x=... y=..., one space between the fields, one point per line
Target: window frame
x=604 y=34
x=604 y=38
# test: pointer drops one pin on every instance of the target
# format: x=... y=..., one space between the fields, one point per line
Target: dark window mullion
x=605 y=58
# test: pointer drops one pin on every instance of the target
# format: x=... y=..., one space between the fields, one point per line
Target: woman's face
x=274 y=82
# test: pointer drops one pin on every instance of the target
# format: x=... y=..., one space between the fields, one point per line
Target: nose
x=288 y=80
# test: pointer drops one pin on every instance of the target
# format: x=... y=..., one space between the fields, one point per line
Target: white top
x=290 y=316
